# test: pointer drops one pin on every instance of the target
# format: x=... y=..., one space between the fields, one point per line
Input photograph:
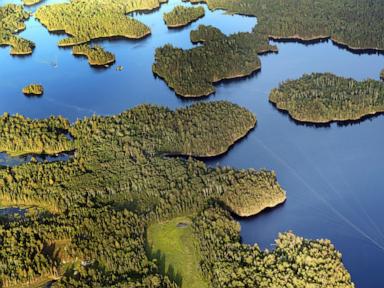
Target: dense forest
x=12 y=18
x=322 y=98
x=96 y=55
x=89 y=20
x=355 y=23
x=119 y=165
x=20 y=135
x=191 y=73
x=181 y=16
x=33 y=89
x=295 y=262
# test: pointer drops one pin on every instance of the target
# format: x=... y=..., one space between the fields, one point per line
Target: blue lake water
x=332 y=174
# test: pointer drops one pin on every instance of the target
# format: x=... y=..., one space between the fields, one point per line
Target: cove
x=11 y=161
x=332 y=174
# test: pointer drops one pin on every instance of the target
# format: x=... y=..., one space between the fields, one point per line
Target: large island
x=92 y=212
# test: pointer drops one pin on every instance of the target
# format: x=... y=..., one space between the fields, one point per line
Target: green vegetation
x=96 y=55
x=244 y=202
x=295 y=262
x=12 y=18
x=322 y=98
x=20 y=135
x=382 y=74
x=191 y=73
x=33 y=89
x=181 y=16
x=87 y=20
x=356 y=24
x=31 y=2
x=100 y=202
x=175 y=247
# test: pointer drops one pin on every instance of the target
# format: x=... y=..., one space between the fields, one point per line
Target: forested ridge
x=182 y=16
x=321 y=98
x=355 y=23
x=12 y=18
x=89 y=20
x=96 y=55
x=118 y=166
x=191 y=73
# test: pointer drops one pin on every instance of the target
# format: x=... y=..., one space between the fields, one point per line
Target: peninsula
x=181 y=16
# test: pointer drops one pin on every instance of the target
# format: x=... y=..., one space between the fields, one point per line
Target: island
x=382 y=74
x=123 y=194
x=193 y=72
x=33 y=90
x=12 y=18
x=301 y=20
x=96 y=55
x=181 y=16
x=31 y=2
x=324 y=97
x=87 y=20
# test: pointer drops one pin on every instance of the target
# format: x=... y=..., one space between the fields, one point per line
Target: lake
x=331 y=173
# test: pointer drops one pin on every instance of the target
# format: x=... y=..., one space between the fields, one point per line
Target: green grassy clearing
x=175 y=246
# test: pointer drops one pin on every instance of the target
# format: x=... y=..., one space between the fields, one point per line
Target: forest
x=20 y=136
x=294 y=262
x=181 y=16
x=322 y=98
x=120 y=179
x=356 y=24
x=33 y=89
x=12 y=18
x=192 y=73
x=96 y=55
x=90 y=20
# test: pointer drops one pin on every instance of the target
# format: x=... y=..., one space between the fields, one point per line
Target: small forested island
x=104 y=210
x=323 y=98
x=33 y=90
x=181 y=16
x=96 y=55
x=382 y=74
x=31 y=2
x=344 y=21
x=12 y=18
x=87 y=20
x=192 y=73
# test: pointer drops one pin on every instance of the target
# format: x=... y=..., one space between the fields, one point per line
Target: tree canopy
x=192 y=73
x=181 y=16
x=322 y=98
x=12 y=18
x=98 y=204
x=355 y=23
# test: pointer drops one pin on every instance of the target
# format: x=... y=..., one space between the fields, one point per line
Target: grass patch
x=173 y=244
